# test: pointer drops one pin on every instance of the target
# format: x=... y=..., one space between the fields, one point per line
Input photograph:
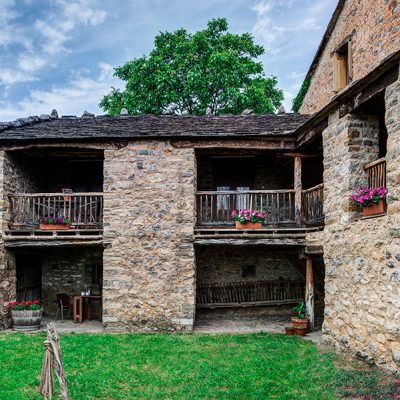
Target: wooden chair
x=63 y=303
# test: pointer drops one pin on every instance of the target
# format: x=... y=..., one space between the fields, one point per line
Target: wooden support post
x=297 y=188
x=309 y=296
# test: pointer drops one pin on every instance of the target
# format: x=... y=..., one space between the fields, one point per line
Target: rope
x=47 y=380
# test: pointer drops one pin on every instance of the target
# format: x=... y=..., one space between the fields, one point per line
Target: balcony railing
x=249 y=293
x=28 y=210
x=215 y=208
x=313 y=205
x=376 y=173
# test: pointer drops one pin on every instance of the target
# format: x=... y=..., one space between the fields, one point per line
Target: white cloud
x=29 y=63
x=10 y=76
x=73 y=14
x=271 y=24
x=79 y=94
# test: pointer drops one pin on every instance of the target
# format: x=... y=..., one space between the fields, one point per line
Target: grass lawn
x=180 y=366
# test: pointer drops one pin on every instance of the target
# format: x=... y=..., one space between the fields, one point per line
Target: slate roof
x=49 y=128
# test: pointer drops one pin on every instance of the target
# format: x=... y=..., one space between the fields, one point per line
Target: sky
x=61 y=53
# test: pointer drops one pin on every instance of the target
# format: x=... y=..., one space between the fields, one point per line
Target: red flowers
x=24 y=305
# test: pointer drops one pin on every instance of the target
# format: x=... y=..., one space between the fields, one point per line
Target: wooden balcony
x=376 y=173
x=214 y=208
x=29 y=210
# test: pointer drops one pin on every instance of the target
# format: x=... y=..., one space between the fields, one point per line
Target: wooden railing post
x=309 y=295
x=297 y=188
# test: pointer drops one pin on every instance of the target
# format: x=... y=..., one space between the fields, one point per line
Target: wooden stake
x=309 y=297
x=53 y=359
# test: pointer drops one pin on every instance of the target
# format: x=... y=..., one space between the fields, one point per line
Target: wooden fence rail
x=28 y=210
x=249 y=293
x=216 y=207
x=376 y=173
x=313 y=205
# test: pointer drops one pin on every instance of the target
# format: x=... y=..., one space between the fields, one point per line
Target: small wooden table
x=79 y=306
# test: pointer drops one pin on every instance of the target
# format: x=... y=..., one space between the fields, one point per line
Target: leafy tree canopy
x=298 y=100
x=209 y=72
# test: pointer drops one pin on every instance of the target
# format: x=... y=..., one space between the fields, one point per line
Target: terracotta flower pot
x=289 y=330
x=26 y=320
x=299 y=323
x=376 y=209
x=248 y=225
x=300 y=331
x=54 y=227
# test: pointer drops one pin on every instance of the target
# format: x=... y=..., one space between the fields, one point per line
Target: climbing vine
x=298 y=100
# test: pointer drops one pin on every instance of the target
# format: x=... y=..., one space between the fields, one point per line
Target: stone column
x=297 y=188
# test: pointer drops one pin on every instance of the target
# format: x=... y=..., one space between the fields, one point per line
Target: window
x=343 y=68
x=248 y=271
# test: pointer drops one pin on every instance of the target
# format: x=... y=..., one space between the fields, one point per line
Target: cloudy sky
x=61 y=53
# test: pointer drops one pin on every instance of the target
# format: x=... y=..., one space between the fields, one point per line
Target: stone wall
x=223 y=264
x=374 y=26
x=67 y=271
x=362 y=256
x=149 y=266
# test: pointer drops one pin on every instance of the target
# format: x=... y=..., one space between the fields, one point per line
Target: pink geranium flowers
x=368 y=197
x=251 y=216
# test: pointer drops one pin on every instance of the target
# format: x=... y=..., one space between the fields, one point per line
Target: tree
x=298 y=100
x=209 y=72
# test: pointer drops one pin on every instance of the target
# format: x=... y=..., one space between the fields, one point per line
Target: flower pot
x=26 y=320
x=299 y=322
x=248 y=225
x=376 y=209
x=300 y=331
x=54 y=227
x=67 y=198
x=289 y=330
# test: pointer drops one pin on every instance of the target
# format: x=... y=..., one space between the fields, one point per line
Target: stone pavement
x=243 y=324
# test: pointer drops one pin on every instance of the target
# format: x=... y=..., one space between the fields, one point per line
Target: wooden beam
x=251 y=242
x=309 y=295
x=298 y=189
x=242 y=143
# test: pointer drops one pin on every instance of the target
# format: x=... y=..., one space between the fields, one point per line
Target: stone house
x=152 y=196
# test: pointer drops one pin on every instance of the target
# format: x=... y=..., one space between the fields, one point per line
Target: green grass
x=176 y=366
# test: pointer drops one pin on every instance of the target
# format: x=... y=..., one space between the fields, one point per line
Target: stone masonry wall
x=221 y=264
x=374 y=25
x=362 y=256
x=67 y=271
x=7 y=259
x=149 y=266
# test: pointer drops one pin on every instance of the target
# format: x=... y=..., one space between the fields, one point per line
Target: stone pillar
x=391 y=270
x=149 y=215
x=353 y=248
x=8 y=274
x=297 y=188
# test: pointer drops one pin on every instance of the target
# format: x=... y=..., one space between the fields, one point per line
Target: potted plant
x=300 y=330
x=372 y=201
x=289 y=330
x=56 y=223
x=248 y=219
x=26 y=315
x=300 y=320
x=67 y=192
